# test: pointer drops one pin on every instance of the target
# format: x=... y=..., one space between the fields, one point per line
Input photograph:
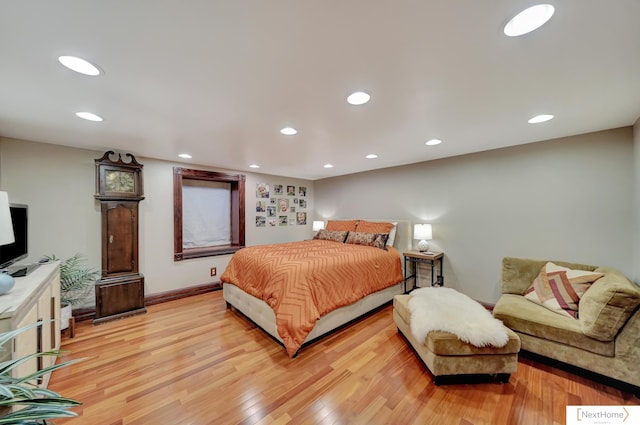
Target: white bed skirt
x=261 y=314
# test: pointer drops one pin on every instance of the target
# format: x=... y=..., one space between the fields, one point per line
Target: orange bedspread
x=303 y=281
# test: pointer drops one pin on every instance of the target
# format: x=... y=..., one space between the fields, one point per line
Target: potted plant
x=76 y=283
x=31 y=404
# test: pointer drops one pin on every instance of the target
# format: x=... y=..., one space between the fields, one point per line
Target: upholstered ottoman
x=446 y=356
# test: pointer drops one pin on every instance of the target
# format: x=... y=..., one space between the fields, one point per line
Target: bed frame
x=259 y=312
x=262 y=315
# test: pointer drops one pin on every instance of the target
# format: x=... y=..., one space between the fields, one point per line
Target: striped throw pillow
x=559 y=288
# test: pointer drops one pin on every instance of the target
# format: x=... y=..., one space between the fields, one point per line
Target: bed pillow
x=559 y=288
x=340 y=225
x=331 y=235
x=392 y=233
x=373 y=227
x=379 y=227
x=377 y=240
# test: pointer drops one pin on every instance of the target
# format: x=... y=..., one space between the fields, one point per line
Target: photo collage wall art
x=280 y=205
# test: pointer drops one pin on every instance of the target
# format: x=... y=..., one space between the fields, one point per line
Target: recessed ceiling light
x=371 y=156
x=79 y=65
x=540 y=118
x=528 y=20
x=89 y=116
x=328 y=166
x=254 y=166
x=288 y=131
x=185 y=156
x=433 y=142
x=358 y=98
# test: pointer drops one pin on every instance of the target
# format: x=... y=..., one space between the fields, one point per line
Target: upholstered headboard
x=402 y=242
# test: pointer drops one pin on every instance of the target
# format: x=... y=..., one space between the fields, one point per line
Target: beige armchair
x=604 y=338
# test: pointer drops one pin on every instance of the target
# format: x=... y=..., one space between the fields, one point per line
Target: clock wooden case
x=118 y=180
x=119 y=188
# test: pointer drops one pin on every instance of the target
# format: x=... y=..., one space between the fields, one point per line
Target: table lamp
x=6 y=237
x=424 y=234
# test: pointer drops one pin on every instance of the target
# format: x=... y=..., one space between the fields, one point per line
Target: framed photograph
x=283 y=205
x=277 y=189
x=272 y=201
x=291 y=191
x=292 y=209
x=261 y=206
x=262 y=190
x=283 y=220
x=295 y=200
x=271 y=211
x=301 y=218
x=302 y=191
x=302 y=203
x=272 y=222
x=261 y=221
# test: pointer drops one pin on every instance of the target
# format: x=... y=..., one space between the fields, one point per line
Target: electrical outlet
x=213 y=271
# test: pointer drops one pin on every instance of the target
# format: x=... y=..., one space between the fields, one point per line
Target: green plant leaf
x=36 y=413
x=22 y=391
x=76 y=280
x=47 y=370
x=9 y=335
x=37 y=401
x=12 y=364
x=5 y=391
x=41 y=403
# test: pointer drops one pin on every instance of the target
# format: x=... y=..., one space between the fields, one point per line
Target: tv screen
x=16 y=251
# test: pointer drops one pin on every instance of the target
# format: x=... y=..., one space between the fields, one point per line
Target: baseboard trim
x=84 y=313
x=163 y=297
x=89 y=313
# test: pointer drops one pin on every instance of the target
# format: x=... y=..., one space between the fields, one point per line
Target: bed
x=299 y=291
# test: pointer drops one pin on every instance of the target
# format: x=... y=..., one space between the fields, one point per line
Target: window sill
x=208 y=251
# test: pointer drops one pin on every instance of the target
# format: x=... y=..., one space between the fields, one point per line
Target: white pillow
x=392 y=233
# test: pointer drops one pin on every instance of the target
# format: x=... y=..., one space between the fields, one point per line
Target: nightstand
x=413 y=258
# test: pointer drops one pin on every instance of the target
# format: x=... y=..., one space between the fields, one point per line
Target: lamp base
x=7 y=283
x=423 y=246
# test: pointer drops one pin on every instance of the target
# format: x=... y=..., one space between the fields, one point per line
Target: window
x=208 y=213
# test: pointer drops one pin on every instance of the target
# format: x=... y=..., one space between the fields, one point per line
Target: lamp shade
x=318 y=225
x=422 y=232
x=6 y=227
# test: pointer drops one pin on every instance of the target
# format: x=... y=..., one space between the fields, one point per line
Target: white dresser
x=34 y=298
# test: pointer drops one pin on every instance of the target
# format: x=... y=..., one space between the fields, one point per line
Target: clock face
x=119 y=181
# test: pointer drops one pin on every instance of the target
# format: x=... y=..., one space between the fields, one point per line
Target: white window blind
x=206 y=213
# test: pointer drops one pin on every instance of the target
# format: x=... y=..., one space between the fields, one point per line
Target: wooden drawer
x=119 y=296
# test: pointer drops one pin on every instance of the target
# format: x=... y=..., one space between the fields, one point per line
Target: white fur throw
x=447 y=310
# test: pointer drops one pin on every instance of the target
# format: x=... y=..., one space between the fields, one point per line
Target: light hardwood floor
x=193 y=361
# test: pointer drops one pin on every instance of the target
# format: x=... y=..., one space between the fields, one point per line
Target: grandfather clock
x=120 y=290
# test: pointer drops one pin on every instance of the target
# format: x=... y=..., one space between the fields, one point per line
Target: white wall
x=58 y=184
x=570 y=199
x=567 y=199
x=636 y=215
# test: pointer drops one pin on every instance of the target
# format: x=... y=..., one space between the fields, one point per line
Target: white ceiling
x=218 y=79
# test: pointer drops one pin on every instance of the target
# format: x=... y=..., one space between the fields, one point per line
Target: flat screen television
x=18 y=250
